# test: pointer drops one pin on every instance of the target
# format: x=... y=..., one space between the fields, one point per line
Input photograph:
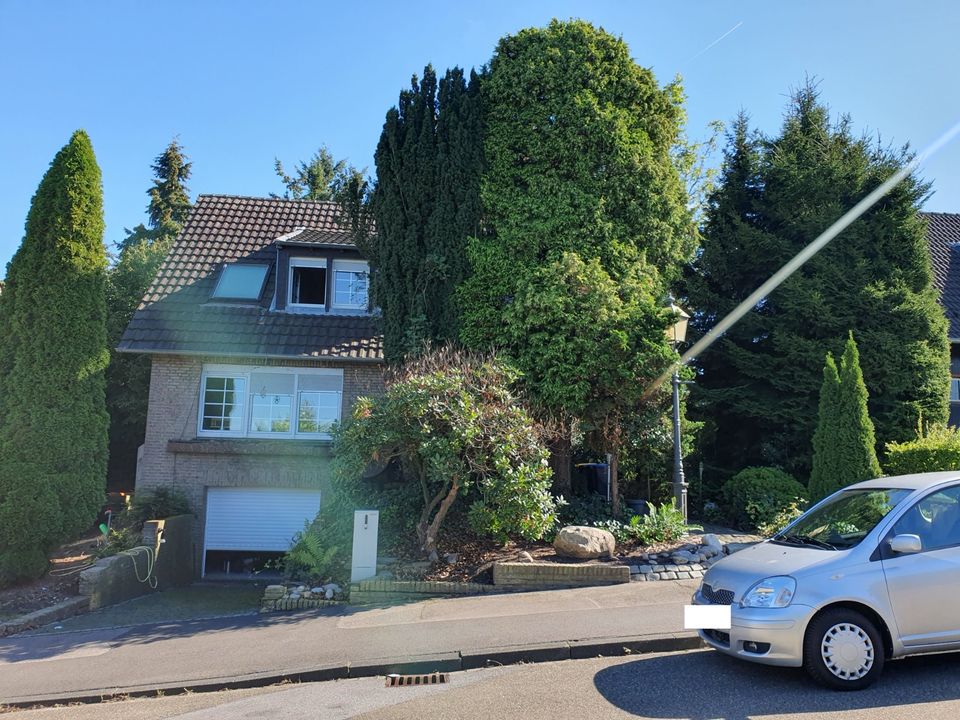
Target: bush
x=155 y=505
x=755 y=496
x=938 y=450
x=783 y=518
x=312 y=558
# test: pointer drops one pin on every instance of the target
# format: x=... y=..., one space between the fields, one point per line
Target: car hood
x=740 y=571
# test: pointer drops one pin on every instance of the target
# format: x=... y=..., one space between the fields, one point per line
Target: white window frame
x=244 y=372
x=230 y=374
x=954 y=389
x=349 y=266
x=311 y=263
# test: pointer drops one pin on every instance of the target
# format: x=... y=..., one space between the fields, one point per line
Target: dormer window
x=350 y=283
x=240 y=281
x=308 y=282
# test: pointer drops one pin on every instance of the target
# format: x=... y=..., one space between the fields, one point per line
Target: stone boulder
x=584 y=543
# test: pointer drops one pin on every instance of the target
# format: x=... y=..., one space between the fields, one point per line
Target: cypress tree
x=825 y=458
x=759 y=385
x=53 y=434
x=140 y=254
x=425 y=204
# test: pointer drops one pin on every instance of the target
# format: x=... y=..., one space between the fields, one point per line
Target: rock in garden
x=711 y=541
x=331 y=586
x=294 y=596
x=306 y=594
x=451 y=558
x=329 y=594
x=317 y=590
x=584 y=543
x=524 y=556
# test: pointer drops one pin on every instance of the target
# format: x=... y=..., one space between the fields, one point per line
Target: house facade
x=943 y=237
x=260 y=338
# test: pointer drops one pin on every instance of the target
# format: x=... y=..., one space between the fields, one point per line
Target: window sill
x=249 y=446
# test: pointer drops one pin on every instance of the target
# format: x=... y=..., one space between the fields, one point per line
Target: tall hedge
x=938 y=450
x=53 y=423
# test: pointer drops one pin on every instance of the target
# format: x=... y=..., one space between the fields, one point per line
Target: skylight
x=241 y=282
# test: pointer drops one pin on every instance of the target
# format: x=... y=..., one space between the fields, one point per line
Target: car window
x=935 y=519
x=844 y=520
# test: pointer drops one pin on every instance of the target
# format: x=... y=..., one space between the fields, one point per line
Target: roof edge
x=206 y=353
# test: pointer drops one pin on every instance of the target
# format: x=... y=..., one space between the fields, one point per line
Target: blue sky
x=241 y=83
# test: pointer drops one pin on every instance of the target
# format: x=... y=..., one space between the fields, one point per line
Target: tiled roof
x=943 y=237
x=176 y=315
x=311 y=236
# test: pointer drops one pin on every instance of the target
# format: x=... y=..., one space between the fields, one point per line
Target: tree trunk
x=427 y=531
x=615 y=481
x=561 y=453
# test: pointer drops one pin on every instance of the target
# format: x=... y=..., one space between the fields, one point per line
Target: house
x=260 y=337
x=943 y=237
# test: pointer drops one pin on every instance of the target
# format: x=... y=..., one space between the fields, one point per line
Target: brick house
x=260 y=337
x=943 y=238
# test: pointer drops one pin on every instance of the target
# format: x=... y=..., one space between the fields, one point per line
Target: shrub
x=118 y=540
x=311 y=557
x=756 y=495
x=783 y=518
x=662 y=524
x=938 y=450
x=154 y=505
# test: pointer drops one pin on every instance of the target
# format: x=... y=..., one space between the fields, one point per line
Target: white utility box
x=365 y=524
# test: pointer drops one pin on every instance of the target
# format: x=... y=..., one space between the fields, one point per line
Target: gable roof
x=177 y=317
x=943 y=238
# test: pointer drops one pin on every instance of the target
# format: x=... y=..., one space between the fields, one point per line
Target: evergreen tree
x=758 y=385
x=321 y=178
x=140 y=254
x=825 y=445
x=578 y=146
x=844 y=443
x=425 y=204
x=53 y=432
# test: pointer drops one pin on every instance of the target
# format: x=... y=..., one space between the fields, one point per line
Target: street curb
x=410 y=665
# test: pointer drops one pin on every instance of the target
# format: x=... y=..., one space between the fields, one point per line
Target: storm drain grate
x=428 y=679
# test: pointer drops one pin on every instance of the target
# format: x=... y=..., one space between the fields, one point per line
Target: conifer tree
x=53 y=426
x=320 y=178
x=844 y=443
x=758 y=386
x=425 y=204
x=825 y=458
x=140 y=254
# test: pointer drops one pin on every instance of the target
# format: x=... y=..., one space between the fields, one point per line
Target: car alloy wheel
x=843 y=649
x=847 y=651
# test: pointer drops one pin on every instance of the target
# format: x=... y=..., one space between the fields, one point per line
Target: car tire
x=843 y=650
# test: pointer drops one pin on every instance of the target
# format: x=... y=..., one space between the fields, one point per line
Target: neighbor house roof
x=943 y=237
x=177 y=315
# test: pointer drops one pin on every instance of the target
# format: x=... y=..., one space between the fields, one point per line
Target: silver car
x=868 y=574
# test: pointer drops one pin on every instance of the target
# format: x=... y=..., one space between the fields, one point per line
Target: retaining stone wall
x=547 y=575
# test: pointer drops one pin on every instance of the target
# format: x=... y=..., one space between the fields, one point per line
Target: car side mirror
x=906 y=544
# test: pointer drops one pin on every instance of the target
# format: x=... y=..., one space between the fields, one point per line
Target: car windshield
x=844 y=521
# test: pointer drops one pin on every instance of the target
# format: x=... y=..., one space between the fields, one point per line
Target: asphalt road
x=699 y=685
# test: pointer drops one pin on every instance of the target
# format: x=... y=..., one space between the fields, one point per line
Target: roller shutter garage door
x=257 y=518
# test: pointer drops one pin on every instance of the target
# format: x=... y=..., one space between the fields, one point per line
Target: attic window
x=308 y=282
x=241 y=282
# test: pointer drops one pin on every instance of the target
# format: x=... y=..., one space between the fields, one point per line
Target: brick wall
x=173 y=456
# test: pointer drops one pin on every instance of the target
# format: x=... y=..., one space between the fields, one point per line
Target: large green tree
x=322 y=177
x=53 y=422
x=579 y=146
x=139 y=257
x=758 y=386
x=425 y=204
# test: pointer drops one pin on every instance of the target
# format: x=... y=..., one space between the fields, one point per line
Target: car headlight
x=771 y=592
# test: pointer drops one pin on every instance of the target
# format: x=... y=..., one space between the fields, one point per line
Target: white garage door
x=257 y=518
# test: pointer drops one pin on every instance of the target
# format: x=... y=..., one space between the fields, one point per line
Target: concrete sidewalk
x=448 y=634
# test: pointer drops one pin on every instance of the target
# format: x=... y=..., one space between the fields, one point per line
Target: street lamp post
x=676 y=334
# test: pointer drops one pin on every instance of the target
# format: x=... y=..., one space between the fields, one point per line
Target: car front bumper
x=772 y=636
